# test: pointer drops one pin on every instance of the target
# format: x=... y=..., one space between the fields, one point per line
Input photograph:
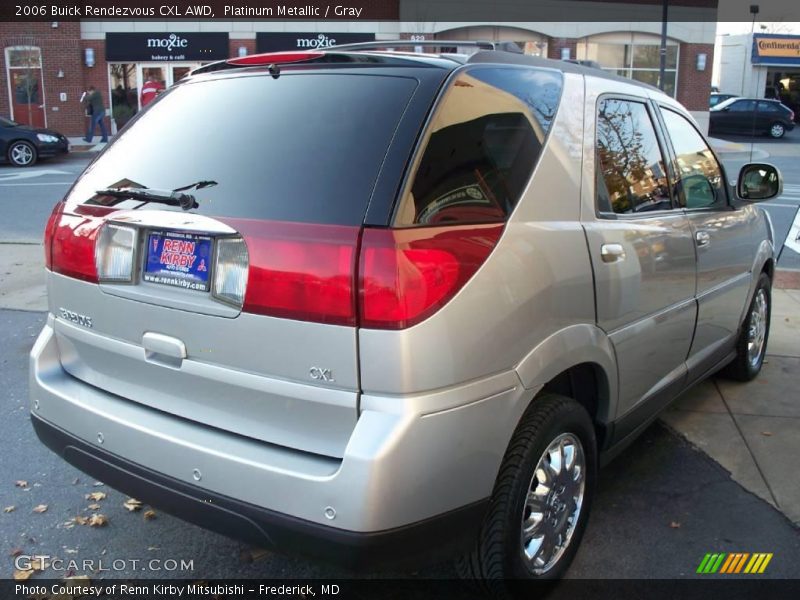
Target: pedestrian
x=151 y=89
x=93 y=101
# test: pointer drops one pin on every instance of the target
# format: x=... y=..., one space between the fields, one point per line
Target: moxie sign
x=307 y=40
x=166 y=46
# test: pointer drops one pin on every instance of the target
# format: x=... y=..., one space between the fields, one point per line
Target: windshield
x=7 y=122
x=303 y=147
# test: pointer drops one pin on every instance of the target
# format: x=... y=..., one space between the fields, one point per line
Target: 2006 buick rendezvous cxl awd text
x=344 y=303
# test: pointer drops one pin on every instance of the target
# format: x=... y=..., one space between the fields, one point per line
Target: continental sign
x=784 y=49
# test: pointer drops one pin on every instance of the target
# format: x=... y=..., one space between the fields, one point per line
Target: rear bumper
x=265 y=528
x=416 y=468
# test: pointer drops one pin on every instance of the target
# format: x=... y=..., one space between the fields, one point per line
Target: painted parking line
x=793 y=238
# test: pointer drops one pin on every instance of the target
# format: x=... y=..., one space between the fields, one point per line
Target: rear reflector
x=274 y=58
x=230 y=271
x=300 y=271
x=408 y=274
x=114 y=253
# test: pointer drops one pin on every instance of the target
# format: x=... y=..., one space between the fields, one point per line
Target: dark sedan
x=751 y=116
x=22 y=146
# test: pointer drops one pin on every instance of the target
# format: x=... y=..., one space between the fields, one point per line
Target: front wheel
x=776 y=130
x=752 y=343
x=541 y=499
x=22 y=154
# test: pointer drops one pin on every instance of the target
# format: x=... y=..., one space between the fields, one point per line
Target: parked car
x=22 y=146
x=751 y=116
x=716 y=98
x=402 y=341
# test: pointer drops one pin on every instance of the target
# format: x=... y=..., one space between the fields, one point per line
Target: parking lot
x=694 y=485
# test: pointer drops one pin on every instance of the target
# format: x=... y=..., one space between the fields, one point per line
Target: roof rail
x=481 y=45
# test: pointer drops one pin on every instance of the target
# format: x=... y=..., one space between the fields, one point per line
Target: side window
x=481 y=147
x=700 y=182
x=742 y=106
x=768 y=107
x=631 y=176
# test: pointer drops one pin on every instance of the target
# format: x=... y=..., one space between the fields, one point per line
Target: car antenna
x=274 y=70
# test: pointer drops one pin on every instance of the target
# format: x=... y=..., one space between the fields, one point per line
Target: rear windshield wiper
x=172 y=198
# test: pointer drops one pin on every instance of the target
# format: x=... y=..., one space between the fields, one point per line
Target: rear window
x=481 y=147
x=303 y=147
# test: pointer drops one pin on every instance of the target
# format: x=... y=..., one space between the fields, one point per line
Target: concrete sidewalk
x=753 y=429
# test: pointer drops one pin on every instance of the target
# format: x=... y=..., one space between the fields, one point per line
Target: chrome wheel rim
x=777 y=130
x=553 y=503
x=757 y=332
x=21 y=154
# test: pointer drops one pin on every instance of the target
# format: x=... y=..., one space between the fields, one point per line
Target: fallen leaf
x=39 y=564
x=96 y=496
x=40 y=508
x=93 y=506
x=132 y=504
x=766 y=433
x=675 y=525
x=98 y=520
x=21 y=483
x=15 y=552
x=79 y=520
x=9 y=509
x=22 y=575
x=149 y=515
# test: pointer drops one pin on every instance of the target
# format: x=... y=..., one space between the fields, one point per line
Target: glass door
x=152 y=80
x=25 y=84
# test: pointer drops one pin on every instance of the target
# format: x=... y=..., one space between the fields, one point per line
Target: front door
x=643 y=258
x=154 y=78
x=25 y=85
x=722 y=236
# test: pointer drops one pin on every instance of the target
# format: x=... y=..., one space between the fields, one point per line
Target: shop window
x=124 y=93
x=639 y=61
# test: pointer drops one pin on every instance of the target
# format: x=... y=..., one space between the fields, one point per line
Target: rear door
x=740 y=116
x=239 y=313
x=643 y=258
x=722 y=236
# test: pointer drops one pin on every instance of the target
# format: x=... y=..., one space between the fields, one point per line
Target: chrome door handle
x=702 y=238
x=612 y=253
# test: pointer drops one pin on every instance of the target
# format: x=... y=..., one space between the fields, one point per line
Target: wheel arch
x=578 y=362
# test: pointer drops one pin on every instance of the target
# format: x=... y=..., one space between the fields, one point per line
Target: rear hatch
x=239 y=313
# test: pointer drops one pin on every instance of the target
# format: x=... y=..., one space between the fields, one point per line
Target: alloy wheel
x=21 y=154
x=757 y=331
x=553 y=503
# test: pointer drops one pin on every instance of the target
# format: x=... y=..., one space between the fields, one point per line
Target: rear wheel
x=776 y=130
x=752 y=343
x=21 y=154
x=540 y=504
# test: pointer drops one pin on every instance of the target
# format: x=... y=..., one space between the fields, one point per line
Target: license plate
x=178 y=259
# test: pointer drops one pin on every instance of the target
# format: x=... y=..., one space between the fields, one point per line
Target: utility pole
x=662 y=53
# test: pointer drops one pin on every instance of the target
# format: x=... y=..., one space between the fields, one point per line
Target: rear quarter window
x=481 y=146
x=305 y=147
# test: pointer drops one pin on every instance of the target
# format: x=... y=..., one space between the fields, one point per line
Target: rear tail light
x=300 y=271
x=406 y=275
x=231 y=269
x=73 y=246
x=49 y=233
x=114 y=253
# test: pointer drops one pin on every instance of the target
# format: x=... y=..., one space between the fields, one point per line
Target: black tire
x=776 y=130
x=497 y=558
x=22 y=154
x=743 y=367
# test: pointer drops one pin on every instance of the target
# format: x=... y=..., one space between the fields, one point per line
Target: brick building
x=46 y=66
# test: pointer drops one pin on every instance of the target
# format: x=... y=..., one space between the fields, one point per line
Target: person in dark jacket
x=93 y=101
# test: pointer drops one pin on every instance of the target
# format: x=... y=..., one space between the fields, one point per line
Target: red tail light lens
x=408 y=274
x=300 y=271
x=49 y=233
x=271 y=58
x=73 y=246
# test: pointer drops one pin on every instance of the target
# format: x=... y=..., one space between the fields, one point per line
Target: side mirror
x=759 y=181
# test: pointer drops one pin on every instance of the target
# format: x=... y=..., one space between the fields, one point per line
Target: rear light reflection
x=73 y=246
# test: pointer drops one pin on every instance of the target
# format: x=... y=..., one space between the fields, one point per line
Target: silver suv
x=366 y=306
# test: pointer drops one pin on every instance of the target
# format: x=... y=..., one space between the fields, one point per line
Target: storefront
x=762 y=65
x=307 y=40
x=140 y=65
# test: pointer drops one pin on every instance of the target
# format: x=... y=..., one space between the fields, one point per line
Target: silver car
x=348 y=303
